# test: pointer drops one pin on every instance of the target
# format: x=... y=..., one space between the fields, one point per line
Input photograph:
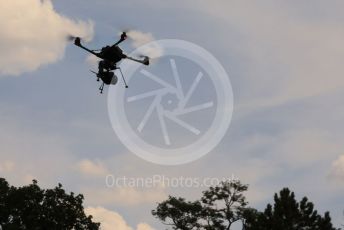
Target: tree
x=222 y=205
x=218 y=208
x=30 y=207
x=288 y=214
x=179 y=214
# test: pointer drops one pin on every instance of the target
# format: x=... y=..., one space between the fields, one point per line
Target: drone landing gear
x=101 y=88
x=108 y=78
x=125 y=83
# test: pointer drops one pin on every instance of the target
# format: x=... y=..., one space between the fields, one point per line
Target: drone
x=110 y=56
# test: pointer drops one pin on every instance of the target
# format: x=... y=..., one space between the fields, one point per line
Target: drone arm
x=119 y=41
x=123 y=37
x=78 y=43
x=145 y=61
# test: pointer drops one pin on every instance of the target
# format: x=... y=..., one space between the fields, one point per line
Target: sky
x=284 y=62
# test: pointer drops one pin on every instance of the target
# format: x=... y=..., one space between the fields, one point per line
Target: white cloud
x=337 y=170
x=110 y=220
x=6 y=166
x=93 y=168
x=28 y=178
x=92 y=61
x=32 y=34
x=144 y=226
x=125 y=196
x=140 y=38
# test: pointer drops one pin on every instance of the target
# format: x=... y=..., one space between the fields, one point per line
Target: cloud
x=300 y=55
x=110 y=220
x=337 y=170
x=92 y=168
x=33 y=34
x=6 y=166
x=125 y=196
x=144 y=226
x=139 y=38
x=92 y=61
x=28 y=178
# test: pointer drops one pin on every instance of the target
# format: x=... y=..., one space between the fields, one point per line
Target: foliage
x=218 y=208
x=30 y=207
x=222 y=205
x=288 y=214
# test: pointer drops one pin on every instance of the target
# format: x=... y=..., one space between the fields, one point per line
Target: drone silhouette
x=110 y=56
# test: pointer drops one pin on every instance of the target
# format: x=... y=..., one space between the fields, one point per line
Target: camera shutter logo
x=170 y=103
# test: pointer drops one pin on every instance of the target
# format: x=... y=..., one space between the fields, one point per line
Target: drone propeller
x=70 y=38
x=127 y=33
x=125 y=29
x=145 y=58
x=76 y=40
x=141 y=56
x=124 y=35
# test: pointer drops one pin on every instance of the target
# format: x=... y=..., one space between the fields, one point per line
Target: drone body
x=110 y=56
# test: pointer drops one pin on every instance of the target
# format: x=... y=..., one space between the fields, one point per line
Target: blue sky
x=284 y=60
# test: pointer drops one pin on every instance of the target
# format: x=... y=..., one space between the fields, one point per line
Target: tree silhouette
x=288 y=214
x=222 y=205
x=30 y=207
x=218 y=208
x=179 y=214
